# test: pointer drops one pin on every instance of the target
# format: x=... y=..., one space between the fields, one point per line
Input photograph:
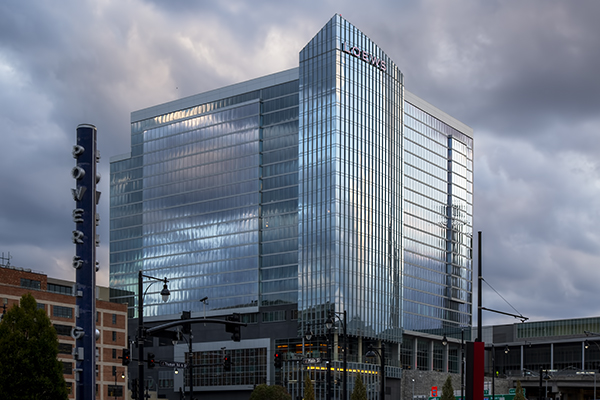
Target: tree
x=448 y=390
x=359 y=392
x=29 y=369
x=309 y=392
x=266 y=392
x=519 y=392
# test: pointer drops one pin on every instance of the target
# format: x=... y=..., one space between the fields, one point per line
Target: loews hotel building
x=325 y=188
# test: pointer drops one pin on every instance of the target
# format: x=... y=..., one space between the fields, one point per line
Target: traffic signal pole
x=140 y=338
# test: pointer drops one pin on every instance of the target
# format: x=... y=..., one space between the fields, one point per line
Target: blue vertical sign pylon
x=85 y=239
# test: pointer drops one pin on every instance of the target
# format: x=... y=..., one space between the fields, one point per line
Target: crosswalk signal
x=125 y=357
x=277 y=361
x=226 y=363
x=151 y=361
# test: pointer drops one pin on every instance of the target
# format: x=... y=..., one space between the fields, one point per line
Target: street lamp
x=462 y=360
x=329 y=323
x=587 y=345
x=308 y=334
x=506 y=350
x=190 y=364
x=381 y=353
x=114 y=372
x=141 y=332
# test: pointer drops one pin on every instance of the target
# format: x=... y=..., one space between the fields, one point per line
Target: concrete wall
x=424 y=380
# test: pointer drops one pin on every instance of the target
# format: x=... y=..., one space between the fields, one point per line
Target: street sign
x=434 y=391
x=311 y=360
x=172 y=364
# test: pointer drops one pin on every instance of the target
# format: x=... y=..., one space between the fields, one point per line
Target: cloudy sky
x=522 y=74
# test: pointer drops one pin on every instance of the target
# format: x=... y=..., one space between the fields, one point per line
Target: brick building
x=57 y=298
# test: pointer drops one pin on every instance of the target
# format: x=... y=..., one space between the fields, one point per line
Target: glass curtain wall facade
x=438 y=224
x=350 y=183
x=327 y=186
x=208 y=191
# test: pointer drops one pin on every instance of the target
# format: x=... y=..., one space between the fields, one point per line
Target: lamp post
x=381 y=353
x=190 y=367
x=115 y=387
x=413 y=391
x=506 y=350
x=329 y=324
x=141 y=332
x=462 y=360
x=328 y=362
x=587 y=345
x=308 y=335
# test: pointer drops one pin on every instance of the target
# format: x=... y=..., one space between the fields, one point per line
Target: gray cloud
x=522 y=75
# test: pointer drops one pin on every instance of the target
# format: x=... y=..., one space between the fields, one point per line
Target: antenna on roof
x=5 y=261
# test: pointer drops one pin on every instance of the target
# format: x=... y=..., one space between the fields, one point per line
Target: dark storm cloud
x=523 y=75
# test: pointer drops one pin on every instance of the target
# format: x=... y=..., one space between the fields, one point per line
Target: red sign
x=434 y=391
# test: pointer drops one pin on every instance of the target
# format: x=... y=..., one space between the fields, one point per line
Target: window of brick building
x=65 y=348
x=31 y=284
x=64 y=330
x=62 y=312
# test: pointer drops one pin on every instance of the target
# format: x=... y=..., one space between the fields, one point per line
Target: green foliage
x=266 y=392
x=519 y=392
x=29 y=369
x=448 y=390
x=309 y=391
x=359 y=392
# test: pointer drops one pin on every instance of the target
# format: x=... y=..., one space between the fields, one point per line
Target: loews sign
x=365 y=56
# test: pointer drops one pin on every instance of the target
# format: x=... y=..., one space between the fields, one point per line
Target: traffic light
x=186 y=326
x=151 y=361
x=277 y=360
x=234 y=329
x=226 y=363
x=134 y=388
x=126 y=357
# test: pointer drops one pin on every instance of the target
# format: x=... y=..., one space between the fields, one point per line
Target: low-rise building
x=57 y=298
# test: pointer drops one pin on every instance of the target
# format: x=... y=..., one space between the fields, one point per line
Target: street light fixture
x=308 y=334
x=381 y=353
x=164 y=293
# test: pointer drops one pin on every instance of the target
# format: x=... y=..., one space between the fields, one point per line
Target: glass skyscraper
x=328 y=187
x=350 y=184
